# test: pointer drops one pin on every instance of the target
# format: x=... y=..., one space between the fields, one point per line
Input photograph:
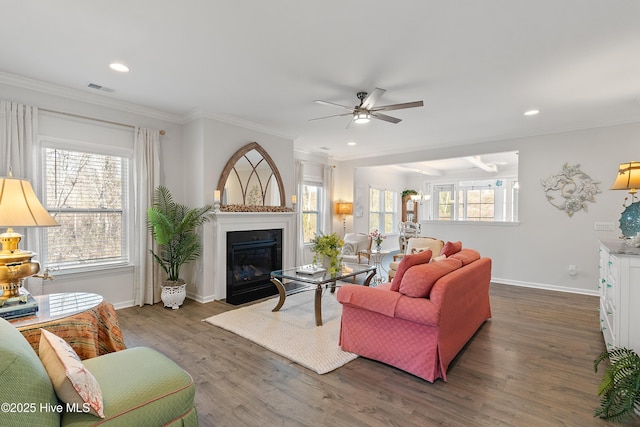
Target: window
x=311 y=202
x=87 y=193
x=443 y=194
x=382 y=210
x=478 y=200
x=478 y=204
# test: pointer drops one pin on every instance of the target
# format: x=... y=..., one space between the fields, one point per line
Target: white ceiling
x=478 y=65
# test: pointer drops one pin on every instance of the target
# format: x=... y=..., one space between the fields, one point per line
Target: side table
x=376 y=256
x=89 y=324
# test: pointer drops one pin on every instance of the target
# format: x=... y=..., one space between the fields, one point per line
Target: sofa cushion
x=419 y=279
x=141 y=386
x=451 y=248
x=72 y=382
x=467 y=256
x=407 y=262
x=24 y=380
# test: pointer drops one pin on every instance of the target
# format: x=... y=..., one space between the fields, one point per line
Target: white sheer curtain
x=17 y=138
x=327 y=181
x=146 y=179
x=299 y=172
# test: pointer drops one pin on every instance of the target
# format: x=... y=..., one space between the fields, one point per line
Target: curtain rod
x=162 y=132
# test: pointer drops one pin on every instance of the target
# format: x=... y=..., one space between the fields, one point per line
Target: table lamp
x=344 y=209
x=629 y=179
x=19 y=207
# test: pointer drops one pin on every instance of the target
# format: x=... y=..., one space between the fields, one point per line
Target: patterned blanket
x=91 y=333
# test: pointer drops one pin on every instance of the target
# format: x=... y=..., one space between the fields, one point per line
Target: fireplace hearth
x=251 y=256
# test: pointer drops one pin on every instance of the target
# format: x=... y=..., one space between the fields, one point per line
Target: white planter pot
x=173 y=295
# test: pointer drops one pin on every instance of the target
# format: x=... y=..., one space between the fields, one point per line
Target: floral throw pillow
x=72 y=382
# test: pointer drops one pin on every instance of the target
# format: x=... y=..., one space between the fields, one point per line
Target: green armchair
x=140 y=387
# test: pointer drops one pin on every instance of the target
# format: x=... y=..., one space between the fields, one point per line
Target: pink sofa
x=420 y=321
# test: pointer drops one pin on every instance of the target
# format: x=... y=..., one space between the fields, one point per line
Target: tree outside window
x=87 y=194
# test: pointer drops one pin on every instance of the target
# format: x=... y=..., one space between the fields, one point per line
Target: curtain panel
x=148 y=274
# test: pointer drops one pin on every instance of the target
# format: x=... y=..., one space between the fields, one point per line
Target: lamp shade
x=344 y=208
x=628 y=177
x=19 y=206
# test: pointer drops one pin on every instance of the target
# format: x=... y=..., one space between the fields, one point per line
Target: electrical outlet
x=603 y=226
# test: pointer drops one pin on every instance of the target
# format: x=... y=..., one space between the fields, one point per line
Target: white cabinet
x=620 y=295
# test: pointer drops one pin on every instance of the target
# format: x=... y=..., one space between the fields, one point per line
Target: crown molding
x=91 y=98
x=232 y=120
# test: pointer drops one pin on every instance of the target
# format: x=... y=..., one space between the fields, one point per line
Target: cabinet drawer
x=606 y=326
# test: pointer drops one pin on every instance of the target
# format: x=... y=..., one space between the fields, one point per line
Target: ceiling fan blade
x=385 y=117
x=372 y=98
x=399 y=106
x=334 y=115
x=333 y=104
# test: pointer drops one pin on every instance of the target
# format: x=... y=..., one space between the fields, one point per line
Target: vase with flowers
x=326 y=250
x=377 y=238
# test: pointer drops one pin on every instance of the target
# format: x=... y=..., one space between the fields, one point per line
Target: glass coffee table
x=290 y=281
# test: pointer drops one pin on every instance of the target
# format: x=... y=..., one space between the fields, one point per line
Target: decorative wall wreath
x=571 y=189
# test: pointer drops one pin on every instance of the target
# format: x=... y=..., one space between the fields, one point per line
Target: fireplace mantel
x=214 y=254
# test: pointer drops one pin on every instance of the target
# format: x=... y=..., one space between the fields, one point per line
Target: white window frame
x=505 y=201
x=381 y=212
x=128 y=210
x=319 y=212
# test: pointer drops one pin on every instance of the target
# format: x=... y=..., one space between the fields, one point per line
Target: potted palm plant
x=174 y=227
x=620 y=385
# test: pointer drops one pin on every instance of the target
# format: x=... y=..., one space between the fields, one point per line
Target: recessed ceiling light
x=121 y=68
x=531 y=112
x=351 y=143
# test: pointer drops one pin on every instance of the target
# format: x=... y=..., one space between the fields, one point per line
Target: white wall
x=538 y=251
x=210 y=144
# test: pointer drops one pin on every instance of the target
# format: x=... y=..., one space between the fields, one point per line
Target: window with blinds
x=87 y=194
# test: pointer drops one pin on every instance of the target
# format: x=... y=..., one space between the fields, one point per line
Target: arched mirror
x=251 y=178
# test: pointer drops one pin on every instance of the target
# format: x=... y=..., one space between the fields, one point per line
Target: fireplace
x=251 y=256
x=214 y=246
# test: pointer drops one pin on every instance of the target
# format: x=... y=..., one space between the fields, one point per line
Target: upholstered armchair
x=415 y=245
x=354 y=243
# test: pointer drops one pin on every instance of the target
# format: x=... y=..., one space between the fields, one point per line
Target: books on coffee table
x=311 y=269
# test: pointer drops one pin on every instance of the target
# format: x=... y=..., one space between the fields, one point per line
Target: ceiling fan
x=367 y=110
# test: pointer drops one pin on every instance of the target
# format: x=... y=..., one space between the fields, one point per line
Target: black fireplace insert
x=251 y=256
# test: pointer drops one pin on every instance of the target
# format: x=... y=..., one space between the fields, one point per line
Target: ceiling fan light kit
x=364 y=112
x=361 y=117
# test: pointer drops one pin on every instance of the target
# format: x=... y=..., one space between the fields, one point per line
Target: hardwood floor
x=530 y=365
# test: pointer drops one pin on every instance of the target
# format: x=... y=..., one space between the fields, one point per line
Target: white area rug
x=292 y=331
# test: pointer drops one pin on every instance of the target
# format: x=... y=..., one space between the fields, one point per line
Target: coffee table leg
x=371 y=276
x=318 y=305
x=281 y=293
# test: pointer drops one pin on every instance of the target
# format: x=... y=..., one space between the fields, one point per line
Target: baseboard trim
x=545 y=287
x=201 y=299
x=124 y=304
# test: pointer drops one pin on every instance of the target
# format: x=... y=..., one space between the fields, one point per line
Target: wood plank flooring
x=530 y=365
